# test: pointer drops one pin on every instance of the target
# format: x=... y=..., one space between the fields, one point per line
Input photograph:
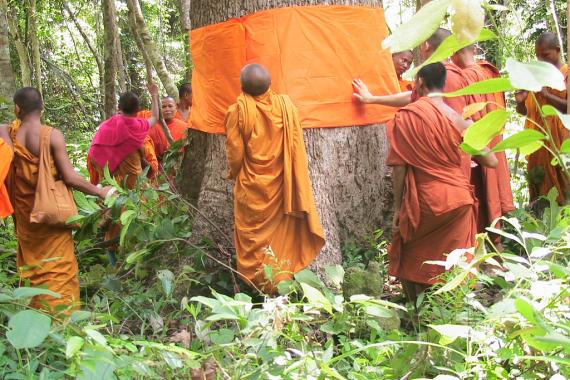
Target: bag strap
x=45 y=156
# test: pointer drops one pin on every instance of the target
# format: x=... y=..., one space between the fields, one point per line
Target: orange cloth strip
x=312 y=52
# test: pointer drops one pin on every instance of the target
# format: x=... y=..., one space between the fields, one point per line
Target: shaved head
x=28 y=100
x=168 y=108
x=547 y=49
x=255 y=79
x=438 y=37
x=548 y=40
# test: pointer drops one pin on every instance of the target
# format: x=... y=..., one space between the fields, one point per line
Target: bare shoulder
x=57 y=139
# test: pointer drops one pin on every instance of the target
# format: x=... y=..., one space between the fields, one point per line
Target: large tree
x=351 y=182
x=7 y=80
x=110 y=62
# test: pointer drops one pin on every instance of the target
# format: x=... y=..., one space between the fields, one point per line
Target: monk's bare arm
x=520 y=98
x=154 y=117
x=234 y=142
x=556 y=101
x=362 y=93
x=487 y=159
x=66 y=170
x=399 y=174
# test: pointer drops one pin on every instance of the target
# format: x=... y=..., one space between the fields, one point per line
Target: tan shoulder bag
x=54 y=203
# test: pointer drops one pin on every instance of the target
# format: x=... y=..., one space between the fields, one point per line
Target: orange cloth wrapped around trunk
x=438 y=208
x=492 y=186
x=46 y=254
x=542 y=175
x=6 y=156
x=276 y=220
x=313 y=54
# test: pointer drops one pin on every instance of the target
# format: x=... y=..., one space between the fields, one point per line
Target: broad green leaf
x=335 y=274
x=96 y=336
x=473 y=108
x=469 y=149
x=531 y=148
x=454 y=283
x=28 y=329
x=480 y=133
x=556 y=340
x=166 y=278
x=565 y=147
x=127 y=216
x=489 y=86
x=549 y=110
x=419 y=28
x=308 y=277
x=210 y=302
x=134 y=257
x=449 y=333
x=534 y=75
x=446 y=49
x=222 y=336
x=73 y=346
x=24 y=292
x=316 y=298
x=519 y=140
x=378 y=311
x=527 y=310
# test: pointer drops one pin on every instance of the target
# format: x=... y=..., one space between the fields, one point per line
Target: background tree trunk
x=120 y=64
x=35 y=44
x=7 y=79
x=140 y=28
x=23 y=57
x=351 y=182
x=110 y=64
x=186 y=24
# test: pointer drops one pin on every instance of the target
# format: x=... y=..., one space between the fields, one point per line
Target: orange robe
x=492 y=186
x=438 y=208
x=178 y=129
x=454 y=81
x=276 y=220
x=46 y=254
x=406 y=85
x=6 y=155
x=543 y=176
x=179 y=117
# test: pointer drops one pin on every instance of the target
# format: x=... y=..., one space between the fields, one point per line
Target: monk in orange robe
x=277 y=227
x=121 y=143
x=45 y=253
x=177 y=127
x=542 y=175
x=492 y=186
x=6 y=155
x=184 y=103
x=435 y=207
x=402 y=62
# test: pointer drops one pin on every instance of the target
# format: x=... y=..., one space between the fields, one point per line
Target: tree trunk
x=351 y=182
x=110 y=74
x=186 y=24
x=122 y=73
x=14 y=28
x=35 y=44
x=7 y=80
x=568 y=55
x=140 y=28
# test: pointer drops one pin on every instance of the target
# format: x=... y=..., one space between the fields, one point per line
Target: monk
x=45 y=253
x=184 y=102
x=402 y=62
x=6 y=155
x=454 y=82
x=121 y=143
x=492 y=186
x=177 y=127
x=277 y=228
x=542 y=175
x=434 y=201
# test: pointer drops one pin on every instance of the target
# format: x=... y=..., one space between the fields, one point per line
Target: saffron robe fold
x=454 y=81
x=492 y=185
x=178 y=129
x=6 y=155
x=117 y=138
x=542 y=175
x=276 y=220
x=46 y=254
x=406 y=85
x=437 y=213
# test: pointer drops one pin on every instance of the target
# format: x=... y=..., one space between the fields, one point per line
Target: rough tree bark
x=120 y=62
x=139 y=27
x=110 y=64
x=35 y=43
x=186 y=27
x=7 y=79
x=351 y=182
x=16 y=34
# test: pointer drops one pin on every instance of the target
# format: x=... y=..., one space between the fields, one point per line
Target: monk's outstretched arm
x=66 y=170
x=487 y=159
x=399 y=174
x=520 y=98
x=234 y=142
x=154 y=117
x=362 y=93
